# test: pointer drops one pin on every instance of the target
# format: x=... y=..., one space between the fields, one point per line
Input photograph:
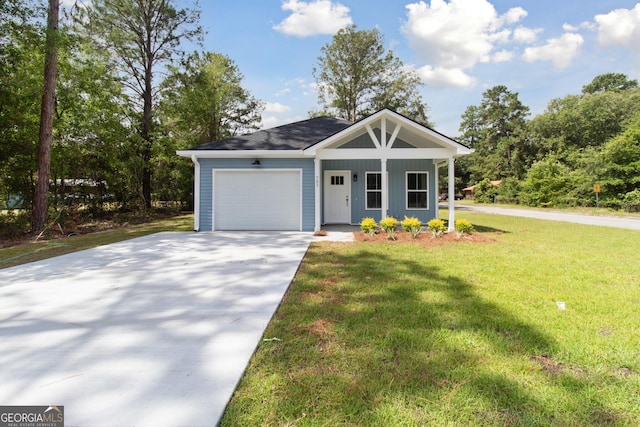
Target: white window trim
x=406 y=190
x=366 y=208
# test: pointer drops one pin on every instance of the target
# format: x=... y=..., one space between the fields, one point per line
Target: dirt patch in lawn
x=322 y=328
x=424 y=239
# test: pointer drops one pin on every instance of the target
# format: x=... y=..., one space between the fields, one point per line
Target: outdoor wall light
x=256 y=162
x=355 y=177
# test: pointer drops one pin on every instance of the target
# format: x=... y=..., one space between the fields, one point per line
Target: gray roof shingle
x=293 y=136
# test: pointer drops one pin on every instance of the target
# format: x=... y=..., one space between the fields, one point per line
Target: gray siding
x=396 y=170
x=364 y=141
x=206 y=190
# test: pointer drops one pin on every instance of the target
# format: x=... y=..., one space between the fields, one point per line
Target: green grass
x=44 y=249
x=458 y=334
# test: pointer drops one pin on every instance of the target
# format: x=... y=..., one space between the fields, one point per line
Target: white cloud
x=620 y=26
x=269 y=122
x=446 y=76
x=456 y=35
x=502 y=56
x=526 y=35
x=560 y=51
x=276 y=107
x=283 y=92
x=574 y=29
x=515 y=14
x=314 y=17
x=273 y=121
x=296 y=85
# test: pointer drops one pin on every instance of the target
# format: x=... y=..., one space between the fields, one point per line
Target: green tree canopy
x=21 y=62
x=609 y=81
x=579 y=121
x=497 y=130
x=356 y=77
x=621 y=155
x=141 y=36
x=204 y=99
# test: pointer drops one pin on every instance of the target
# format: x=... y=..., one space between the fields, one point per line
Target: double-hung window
x=373 y=190
x=417 y=190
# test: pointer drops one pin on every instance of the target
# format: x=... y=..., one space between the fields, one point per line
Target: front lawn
x=464 y=333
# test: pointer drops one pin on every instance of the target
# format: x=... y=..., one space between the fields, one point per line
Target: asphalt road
x=600 y=220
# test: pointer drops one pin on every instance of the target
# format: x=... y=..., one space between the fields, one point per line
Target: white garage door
x=257 y=200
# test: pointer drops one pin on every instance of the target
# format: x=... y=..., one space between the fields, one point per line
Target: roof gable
x=396 y=128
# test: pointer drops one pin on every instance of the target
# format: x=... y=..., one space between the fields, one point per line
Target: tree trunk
x=147 y=125
x=40 y=205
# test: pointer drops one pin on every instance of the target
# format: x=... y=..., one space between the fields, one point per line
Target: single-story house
x=319 y=171
x=468 y=192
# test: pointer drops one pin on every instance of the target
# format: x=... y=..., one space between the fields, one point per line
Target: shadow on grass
x=364 y=343
x=483 y=228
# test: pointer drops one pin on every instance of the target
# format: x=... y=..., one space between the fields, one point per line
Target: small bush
x=14 y=224
x=463 y=226
x=368 y=226
x=485 y=192
x=389 y=224
x=437 y=227
x=631 y=201
x=412 y=225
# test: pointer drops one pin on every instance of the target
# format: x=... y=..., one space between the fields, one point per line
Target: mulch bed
x=424 y=239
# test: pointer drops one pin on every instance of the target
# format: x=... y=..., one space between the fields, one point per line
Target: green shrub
x=509 y=191
x=369 y=226
x=14 y=223
x=412 y=225
x=437 y=227
x=389 y=224
x=485 y=192
x=548 y=183
x=631 y=201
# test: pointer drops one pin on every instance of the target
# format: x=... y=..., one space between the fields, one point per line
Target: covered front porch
x=385 y=165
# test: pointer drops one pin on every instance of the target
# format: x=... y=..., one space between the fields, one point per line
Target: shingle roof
x=294 y=136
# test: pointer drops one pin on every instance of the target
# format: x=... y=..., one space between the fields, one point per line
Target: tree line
x=133 y=85
x=580 y=143
x=131 y=89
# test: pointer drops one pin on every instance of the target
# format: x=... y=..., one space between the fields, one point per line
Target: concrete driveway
x=154 y=331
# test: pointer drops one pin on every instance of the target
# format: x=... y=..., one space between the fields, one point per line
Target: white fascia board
x=388 y=153
x=462 y=151
x=228 y=154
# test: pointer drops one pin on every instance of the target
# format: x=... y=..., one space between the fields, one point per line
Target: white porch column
x=437 y=185
x=196 y=194
x=385 y=195
x=316 y=167
x=452 y=196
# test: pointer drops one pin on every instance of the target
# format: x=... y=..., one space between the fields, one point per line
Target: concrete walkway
x=605 y=221
x=154 y=331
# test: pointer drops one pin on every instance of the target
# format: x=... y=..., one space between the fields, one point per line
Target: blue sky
x=540 y=49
